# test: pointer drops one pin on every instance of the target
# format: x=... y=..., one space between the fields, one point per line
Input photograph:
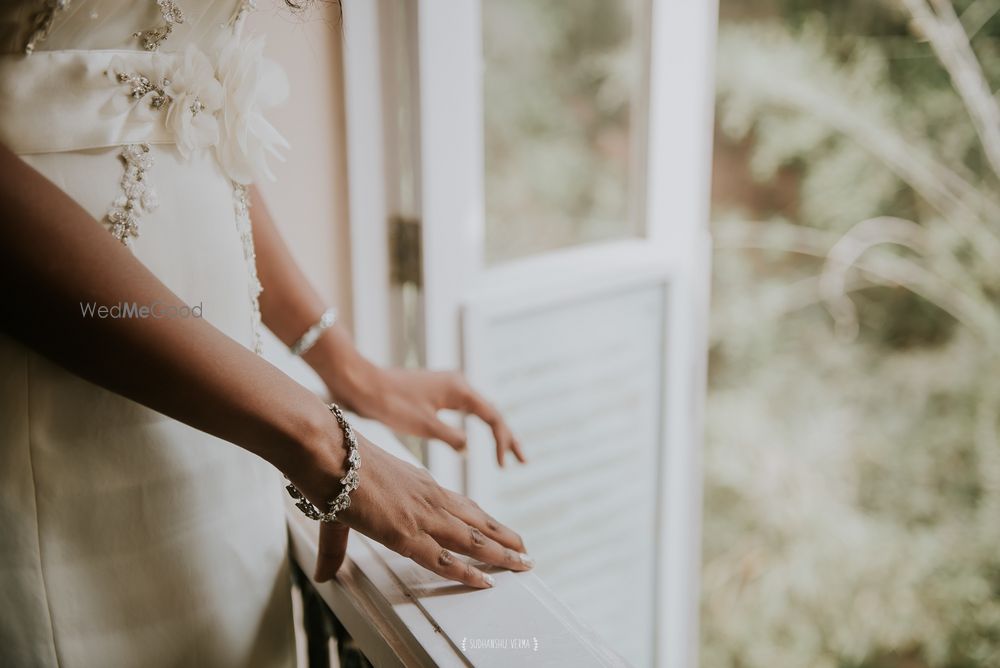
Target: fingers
x=431 y=555
x=460 y=537
x=515 y=447
x=332 y=549
x=442 y=431
x=506 y=441
x=472 y=402
x=469 y=512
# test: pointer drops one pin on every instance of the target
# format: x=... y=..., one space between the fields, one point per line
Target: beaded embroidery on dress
x=129 y=538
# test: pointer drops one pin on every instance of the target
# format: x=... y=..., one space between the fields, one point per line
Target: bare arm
x=53 y=256
x=289 y=305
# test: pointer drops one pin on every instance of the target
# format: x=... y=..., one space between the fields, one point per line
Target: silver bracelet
x=350 y=481
x=308 y=340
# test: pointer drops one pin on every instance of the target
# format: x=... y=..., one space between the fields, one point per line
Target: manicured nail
x=526 y=560
x=488 y=579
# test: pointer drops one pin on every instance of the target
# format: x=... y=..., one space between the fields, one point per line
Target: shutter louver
x=581 y=383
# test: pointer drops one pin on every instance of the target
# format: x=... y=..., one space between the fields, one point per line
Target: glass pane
x=562 y=85
x=852 y=496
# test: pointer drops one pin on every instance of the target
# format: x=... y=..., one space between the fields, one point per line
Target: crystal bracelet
x=308 y=340
x=350 y=481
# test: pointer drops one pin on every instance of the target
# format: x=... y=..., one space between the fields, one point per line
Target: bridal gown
x=126 y=537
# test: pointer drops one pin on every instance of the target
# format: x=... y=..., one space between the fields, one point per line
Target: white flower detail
x=251 y=84
x=196 y=97
x=204 y=105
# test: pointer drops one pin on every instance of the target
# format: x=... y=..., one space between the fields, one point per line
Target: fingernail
x=526 y=560
x=488 y=579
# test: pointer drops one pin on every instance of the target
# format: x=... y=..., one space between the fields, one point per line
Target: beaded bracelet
x=350 y=481
x=309 y=339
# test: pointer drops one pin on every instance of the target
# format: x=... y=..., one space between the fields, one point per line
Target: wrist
x=353 y=381
x=322 y=456
x=361 y=386
x=327 y=512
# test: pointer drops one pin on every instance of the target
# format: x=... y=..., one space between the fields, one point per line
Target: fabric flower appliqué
x=205 y=105
x=251 y=84
x=182 y=93
x=197 y=97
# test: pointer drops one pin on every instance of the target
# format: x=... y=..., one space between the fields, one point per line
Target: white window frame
x=675 y=247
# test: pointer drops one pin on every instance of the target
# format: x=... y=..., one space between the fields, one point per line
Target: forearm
x=290 y=305
x=53 y=256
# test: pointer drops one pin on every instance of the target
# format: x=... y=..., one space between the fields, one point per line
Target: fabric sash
x=55 y=101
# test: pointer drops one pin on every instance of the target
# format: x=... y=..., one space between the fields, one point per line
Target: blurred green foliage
x=560 y=85
x=852 y=493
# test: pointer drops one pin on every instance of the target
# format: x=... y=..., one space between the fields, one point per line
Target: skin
x=53 y=255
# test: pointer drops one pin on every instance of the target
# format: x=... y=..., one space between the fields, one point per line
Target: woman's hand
x=402 y=507
x=409 y=401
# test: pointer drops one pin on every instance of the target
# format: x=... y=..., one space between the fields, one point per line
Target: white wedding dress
x=127 y=538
